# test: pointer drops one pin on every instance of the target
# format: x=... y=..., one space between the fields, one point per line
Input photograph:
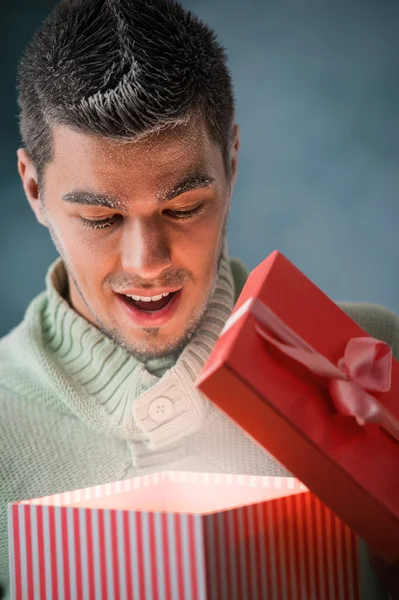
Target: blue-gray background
x=317 y=84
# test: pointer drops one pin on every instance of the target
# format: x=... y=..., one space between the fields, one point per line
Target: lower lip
x=157 y=318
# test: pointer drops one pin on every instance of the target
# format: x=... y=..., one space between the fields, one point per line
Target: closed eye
x=171 y=213
x=100 y=223
x=183 y=214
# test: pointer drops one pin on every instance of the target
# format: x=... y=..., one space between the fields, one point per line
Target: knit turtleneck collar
x=109 y=388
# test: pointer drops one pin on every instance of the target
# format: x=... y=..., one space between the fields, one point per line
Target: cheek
x=199 y=252
x=85 y=252
x=202 y=239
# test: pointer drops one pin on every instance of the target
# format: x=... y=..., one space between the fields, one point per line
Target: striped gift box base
x=182 y=536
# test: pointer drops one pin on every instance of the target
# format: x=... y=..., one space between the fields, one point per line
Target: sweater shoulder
x=378 y=321
x=13 y=344
x=20 y=368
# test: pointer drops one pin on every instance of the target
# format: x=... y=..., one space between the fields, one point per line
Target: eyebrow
x=92 y=199
x=188 y=184
x=192 y=182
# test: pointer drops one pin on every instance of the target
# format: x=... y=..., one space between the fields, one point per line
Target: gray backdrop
x=318 y=103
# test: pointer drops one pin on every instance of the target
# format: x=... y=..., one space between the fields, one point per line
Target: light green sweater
x=76 y=410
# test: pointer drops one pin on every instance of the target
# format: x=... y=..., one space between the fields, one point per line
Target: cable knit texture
x=77 y=410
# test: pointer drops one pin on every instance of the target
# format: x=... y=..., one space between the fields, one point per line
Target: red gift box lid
x=288 y=408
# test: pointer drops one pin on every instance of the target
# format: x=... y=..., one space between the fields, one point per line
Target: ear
x=30 y=184
x=234 y=154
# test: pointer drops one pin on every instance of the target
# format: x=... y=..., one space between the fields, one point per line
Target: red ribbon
x=365 y=367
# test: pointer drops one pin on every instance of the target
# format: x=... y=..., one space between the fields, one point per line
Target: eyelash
x=99 y=224
x=184 y=214
x=174 y=214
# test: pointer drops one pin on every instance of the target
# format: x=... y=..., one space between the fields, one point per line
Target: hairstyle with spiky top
x=122 y=69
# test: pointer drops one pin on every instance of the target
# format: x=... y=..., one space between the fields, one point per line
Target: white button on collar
x=161 y=409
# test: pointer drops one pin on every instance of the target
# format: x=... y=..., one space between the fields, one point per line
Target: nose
x=145 y=249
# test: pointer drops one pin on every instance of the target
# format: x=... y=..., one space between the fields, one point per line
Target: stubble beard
x=176 y=346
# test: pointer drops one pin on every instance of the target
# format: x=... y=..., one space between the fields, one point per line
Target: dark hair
x=121 y=69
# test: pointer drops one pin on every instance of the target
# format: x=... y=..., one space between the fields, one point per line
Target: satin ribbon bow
x=365 y=367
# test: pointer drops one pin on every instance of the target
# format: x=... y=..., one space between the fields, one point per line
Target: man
x=129 y=159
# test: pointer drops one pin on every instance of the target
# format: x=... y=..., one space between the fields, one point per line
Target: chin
x=146 y=352
x=150 y=343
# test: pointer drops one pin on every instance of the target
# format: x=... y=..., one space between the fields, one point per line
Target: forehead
x=158 y=158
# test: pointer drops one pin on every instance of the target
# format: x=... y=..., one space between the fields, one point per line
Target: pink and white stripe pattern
x=288 y=548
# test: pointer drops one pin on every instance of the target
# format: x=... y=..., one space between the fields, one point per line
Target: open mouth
x=150 y=304
x=151 y=311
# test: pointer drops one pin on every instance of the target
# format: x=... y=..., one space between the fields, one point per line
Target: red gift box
x=309 y=385
x=182 y=536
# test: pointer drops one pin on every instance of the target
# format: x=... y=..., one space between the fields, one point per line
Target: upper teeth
x=148 y=298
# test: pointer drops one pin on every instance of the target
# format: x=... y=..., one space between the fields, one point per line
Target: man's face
x=140 y=227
